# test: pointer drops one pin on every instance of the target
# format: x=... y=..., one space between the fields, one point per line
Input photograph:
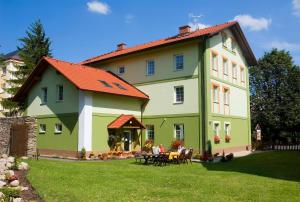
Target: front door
x=127 y=140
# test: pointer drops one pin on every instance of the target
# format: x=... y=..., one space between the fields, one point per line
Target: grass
x=268 y=176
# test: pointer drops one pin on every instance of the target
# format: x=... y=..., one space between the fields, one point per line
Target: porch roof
x=126 y=121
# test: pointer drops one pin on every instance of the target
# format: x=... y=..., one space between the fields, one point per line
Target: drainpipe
x=202 y=80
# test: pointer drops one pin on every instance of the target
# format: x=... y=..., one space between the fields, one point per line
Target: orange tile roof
x=122 y=120
x=161 y=42
x=84 y=78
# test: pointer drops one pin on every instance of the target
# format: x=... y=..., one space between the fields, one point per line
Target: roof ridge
x=132 y=48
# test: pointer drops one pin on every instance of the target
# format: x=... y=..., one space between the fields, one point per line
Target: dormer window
x=120 y=86
x=105 y=84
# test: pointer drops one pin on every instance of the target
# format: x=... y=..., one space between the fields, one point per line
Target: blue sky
x=80 y=29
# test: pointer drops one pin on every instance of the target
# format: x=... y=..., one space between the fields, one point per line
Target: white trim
x=213 y=125
x=85 y=120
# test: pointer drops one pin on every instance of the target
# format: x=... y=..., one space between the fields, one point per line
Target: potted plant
x=217 y=139
x=175 y=144
x=227 y=138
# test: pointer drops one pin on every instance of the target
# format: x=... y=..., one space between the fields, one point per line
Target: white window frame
x=214 y=62
x=148 y=66
x=41 y=129
x=177 y=101
x=176 y=64
x=216 y=96
x=56 y=129
x=181 y=131
x=225 y=131
x=242 y=72
x=234 y=71
x=226 y=96
x=150 y=128
x=121 y=72
x=58 y=92
x=225 y=61
x=219 y=128
x=44 y=92
x=224 y=39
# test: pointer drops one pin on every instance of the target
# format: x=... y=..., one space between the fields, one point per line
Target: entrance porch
x=125 y=133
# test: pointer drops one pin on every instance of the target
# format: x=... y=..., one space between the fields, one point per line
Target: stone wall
x=5 y=132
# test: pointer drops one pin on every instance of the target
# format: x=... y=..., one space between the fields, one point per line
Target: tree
x=34 y=46
x=275 y=94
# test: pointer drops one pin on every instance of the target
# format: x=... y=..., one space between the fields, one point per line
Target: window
x=150 y=132
x=242 y=74
x=216 y=128
x=179 y=94
x=105 y=84
x=225 y=66
x=58 y=128
x=215 y=94
x=59 y=93
x=120 y=86
x=179 y=131
x=234 y=71
x=215 y=62
x=224 y=39
x=44 y=95
x=233 y=45
x=42 y=128
x=121 y=70
x=226 y=96
x=178 y=59
x=227 y=129
x=150 y=68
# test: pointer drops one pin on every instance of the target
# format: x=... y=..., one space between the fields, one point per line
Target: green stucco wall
x=100 y=132
x=51 y=79
x=164 y=129
x=67 y=140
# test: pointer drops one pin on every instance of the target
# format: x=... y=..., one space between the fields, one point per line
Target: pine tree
x=34 y=46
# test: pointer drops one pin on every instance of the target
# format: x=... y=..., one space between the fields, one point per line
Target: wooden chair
x=180 y=158
x=189 y=155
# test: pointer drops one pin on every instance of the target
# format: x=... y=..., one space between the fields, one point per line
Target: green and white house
x=192 y=87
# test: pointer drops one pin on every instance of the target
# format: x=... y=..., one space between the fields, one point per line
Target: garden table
x=147 y=157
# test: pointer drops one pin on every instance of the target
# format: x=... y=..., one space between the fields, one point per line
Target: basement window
x=105 y=84
x=120 y=86
x=58 y=128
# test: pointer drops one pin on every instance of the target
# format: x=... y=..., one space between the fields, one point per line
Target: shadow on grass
x=273 y=164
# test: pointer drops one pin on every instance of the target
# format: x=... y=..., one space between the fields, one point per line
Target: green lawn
x=269 y=176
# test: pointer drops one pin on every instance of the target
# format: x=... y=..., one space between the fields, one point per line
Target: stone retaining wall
x=5 y=132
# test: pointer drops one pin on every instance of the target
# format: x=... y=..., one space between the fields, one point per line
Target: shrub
x=176 y=143
x=148 y=145
x=83 y=154
x=10 y=193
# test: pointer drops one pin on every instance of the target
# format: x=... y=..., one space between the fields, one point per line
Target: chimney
x=184 y=29
x=121 y=46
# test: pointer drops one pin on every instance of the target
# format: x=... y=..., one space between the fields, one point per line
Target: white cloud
x=253 y=24
x=296 y=7
x=284 y=45
x=194 y=24
x=198 y=25
x=129 y=18
x=98 y=7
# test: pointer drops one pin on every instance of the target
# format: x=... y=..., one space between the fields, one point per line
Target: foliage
x=274 y=173
x=83 y=154
x=217 y=138
x=275 y=94
x=227 y=138
x=15 y=163
x=10 y=193
x=148 y=145
x=34 y=46
x=176 y=143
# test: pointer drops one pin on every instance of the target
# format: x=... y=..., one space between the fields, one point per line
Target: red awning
x=126 y=121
